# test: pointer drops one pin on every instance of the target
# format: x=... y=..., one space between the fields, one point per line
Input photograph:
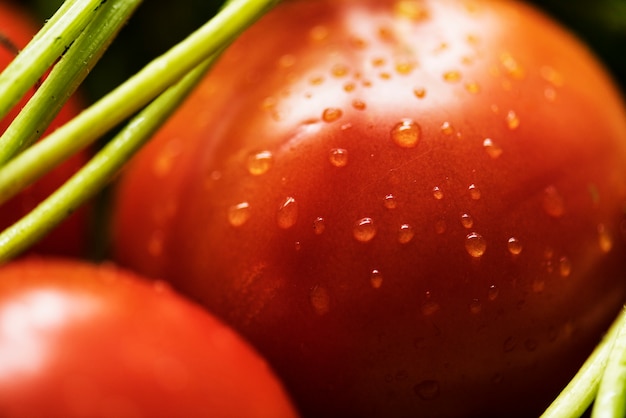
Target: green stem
x=130 y=96
x=31 y=63
x=611 y=399
x=67 y=75
x=98 y=171
x=578 y=395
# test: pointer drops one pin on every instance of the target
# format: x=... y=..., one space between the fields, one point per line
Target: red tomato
x=412 y=208
x=80 y=340
x=16 y=30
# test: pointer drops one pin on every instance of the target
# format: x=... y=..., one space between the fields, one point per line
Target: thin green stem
x=37 y=57
x=578 y=395
x=611 y=399
x=98 y=171
x=67 y=75
x=129 y=97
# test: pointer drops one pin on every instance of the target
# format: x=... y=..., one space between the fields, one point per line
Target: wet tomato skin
x=408 y=207
x=80 y=340
x=17 y=28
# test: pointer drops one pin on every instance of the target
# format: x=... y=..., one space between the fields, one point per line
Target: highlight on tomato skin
x=80 y=340
x=409 y=207
x=17 y=28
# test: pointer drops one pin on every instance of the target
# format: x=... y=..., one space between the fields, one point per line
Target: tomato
x=411 y=208
x=84 y=340
x=71 y=238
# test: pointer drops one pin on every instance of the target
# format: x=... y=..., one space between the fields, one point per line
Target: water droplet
x=338 y=157
x=410 y=10
x=511 y=66
x=429 y=307
x=512 y=120
x=604 y=238
x=405 y=234
x=287 y=213
x=376 y=279
x=446 y=128
x=437 y=193
x=319 y=225
x=316 y=80
x=331 y=114
x=297 y=245
x=419 y=92
x=472 y=87
x=390 y=202
x=550 y=94
x=492 y=149
x=509 y=344
x=406 y=133
x=320 y=301
x=260 y=162
x=440 y=226
x=427 y=390
x=514 y=246
x=404 y=67
x=530 y=344
x=452 y=76
x=467 y=221
x=239 y=214
x=553 y=202
x=364 y=230
x=474 y=192
x=565 y=266
x=348 y=87
x=493 y=292
x=286 y=61
x=475 y=306
x=339 y=70
x=358 y=104
x=385 y=76
x=551 y=76
x=475 y=245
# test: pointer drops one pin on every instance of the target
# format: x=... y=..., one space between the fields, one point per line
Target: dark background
x=159 y=24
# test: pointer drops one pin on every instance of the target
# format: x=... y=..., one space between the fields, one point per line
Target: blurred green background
x=159 y=24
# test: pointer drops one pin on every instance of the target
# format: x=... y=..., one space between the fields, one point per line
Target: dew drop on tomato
x=376 y=279
x=427 y=390
x=331 y=114
x=493 y=292
x=338 y=157
x=553 y=202
x=474 y=192
x=406 y=133
x=565 y=266
x=287 y=213
x=475 y=306
x=512 y=120
x=390 y=202
x=405 y=234
x=437 y=193
x=467 y=221
x=319 y=225
x=604 y=238
x=260 y=163
x=239 y=214
x=320 y=301
x=364 y=230
x=452 y=76
x=514 y=246
x=492 y=149
x=475 y=245
x=419 y=92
